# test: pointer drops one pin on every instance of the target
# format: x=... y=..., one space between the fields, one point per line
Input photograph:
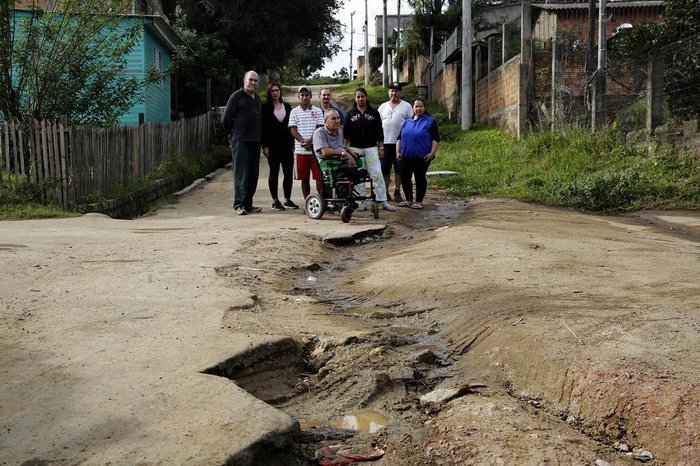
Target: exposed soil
x=568 y=338
x=573 y=338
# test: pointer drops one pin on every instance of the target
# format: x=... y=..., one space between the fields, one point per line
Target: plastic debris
x=339 y=455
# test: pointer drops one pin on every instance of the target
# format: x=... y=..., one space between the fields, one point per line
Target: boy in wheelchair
x=341 y=172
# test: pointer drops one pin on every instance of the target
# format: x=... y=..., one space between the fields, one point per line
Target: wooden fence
x=69 y=163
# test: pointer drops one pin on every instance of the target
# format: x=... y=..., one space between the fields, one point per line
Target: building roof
x=162 y=28
x=610 y=4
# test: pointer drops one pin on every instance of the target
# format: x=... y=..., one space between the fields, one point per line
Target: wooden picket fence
x=69 y=163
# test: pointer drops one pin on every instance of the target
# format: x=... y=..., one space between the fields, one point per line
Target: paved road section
x=106 y=327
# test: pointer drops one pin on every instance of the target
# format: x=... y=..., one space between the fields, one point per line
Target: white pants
x=374 y=167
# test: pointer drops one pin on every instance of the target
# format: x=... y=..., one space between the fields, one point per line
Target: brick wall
x=447 y=87
x=497 y=96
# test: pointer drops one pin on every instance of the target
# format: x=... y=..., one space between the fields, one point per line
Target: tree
x=343 y=74
x=439 y=16
x=677 y=37
x=231 y=36
x=70 y=62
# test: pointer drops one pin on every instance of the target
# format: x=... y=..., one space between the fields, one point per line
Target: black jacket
x=275 y=133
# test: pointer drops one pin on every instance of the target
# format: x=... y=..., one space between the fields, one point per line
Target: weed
x=569 y=167
x=15 y=188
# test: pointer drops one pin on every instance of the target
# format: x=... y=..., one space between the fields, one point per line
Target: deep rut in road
x=356 y=366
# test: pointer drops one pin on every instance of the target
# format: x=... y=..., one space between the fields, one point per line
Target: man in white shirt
x=303 y=121
x=393 y=114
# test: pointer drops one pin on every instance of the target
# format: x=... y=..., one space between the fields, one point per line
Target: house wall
x=447 y=87
x=413 y=70
x=155 y=102
x=497 y=96
x=157 y=96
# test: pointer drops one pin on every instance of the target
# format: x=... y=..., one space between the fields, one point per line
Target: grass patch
x=20 y=200
x=182 y=170
x=570 y=168
x=33 y=210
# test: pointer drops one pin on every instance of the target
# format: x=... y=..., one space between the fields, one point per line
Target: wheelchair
x=340 y=192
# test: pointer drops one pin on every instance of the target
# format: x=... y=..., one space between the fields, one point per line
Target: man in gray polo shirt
x=328 y=143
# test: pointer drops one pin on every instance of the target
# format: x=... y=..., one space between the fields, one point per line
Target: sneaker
x=363 y=206
x=397 y=196
x=240 y=210
x=290 y=205
x=387 y=206
x=277 y=205
x=253 y=210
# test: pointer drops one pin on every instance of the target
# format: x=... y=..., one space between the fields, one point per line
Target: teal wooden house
x=156 y=46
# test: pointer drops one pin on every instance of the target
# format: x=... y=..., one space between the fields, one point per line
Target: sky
x=374 y=8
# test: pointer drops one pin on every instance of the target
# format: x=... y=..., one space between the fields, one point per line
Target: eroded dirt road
x=573 y=338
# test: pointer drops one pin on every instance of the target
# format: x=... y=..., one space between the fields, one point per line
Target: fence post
x=526 y=70
x=655 y=88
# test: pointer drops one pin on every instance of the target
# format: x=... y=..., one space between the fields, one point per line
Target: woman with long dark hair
x=278 y=145
x=364 y=133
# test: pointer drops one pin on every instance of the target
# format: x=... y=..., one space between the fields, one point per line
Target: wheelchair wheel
x=315 y=206
x=375 y=209
x=346 y=213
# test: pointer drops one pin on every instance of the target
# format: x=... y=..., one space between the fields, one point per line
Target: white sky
x=374 y=8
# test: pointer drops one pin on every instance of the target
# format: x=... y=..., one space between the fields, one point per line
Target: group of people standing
x=397 y=136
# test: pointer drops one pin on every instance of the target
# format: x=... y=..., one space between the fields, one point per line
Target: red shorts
x=305 y=164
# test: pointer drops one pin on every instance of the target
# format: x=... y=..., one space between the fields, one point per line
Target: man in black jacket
x=243 y=122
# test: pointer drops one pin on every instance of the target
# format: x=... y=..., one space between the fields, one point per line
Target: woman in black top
x=278 y=145
x=364 y=133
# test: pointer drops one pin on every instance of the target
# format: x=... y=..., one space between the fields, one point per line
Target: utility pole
x=466 y=101
x=366 y=46
x=590 y=58
x=385 y=40
x=398 y=38
x=352 y=32
x=600 y=88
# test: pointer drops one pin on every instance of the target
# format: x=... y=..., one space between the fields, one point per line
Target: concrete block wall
x=687 y=136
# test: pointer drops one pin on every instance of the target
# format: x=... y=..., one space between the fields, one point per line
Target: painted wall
x=155 y=101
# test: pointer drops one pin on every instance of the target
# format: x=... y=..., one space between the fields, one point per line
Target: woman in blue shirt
x=415 y=149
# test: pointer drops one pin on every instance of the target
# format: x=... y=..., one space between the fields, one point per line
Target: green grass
x=20 y=200
x=33 y=210
x=569 y=168
x=184 y=170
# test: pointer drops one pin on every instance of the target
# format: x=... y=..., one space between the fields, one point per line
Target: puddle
x=366 y=420
x=687 y=221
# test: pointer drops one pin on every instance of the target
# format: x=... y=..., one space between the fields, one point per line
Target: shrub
x=16 y=189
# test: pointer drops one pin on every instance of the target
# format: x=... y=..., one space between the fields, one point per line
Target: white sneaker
x=387 y=206
x=363 y=206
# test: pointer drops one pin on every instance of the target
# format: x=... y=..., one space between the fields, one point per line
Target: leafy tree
x=443 y=16
x=70 y=63
x=342 y=75
x=231 y=36
x=677 y=36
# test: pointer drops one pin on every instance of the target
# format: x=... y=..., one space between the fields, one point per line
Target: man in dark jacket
x=242 y=120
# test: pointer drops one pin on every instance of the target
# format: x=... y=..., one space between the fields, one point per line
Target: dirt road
x=568 y=338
